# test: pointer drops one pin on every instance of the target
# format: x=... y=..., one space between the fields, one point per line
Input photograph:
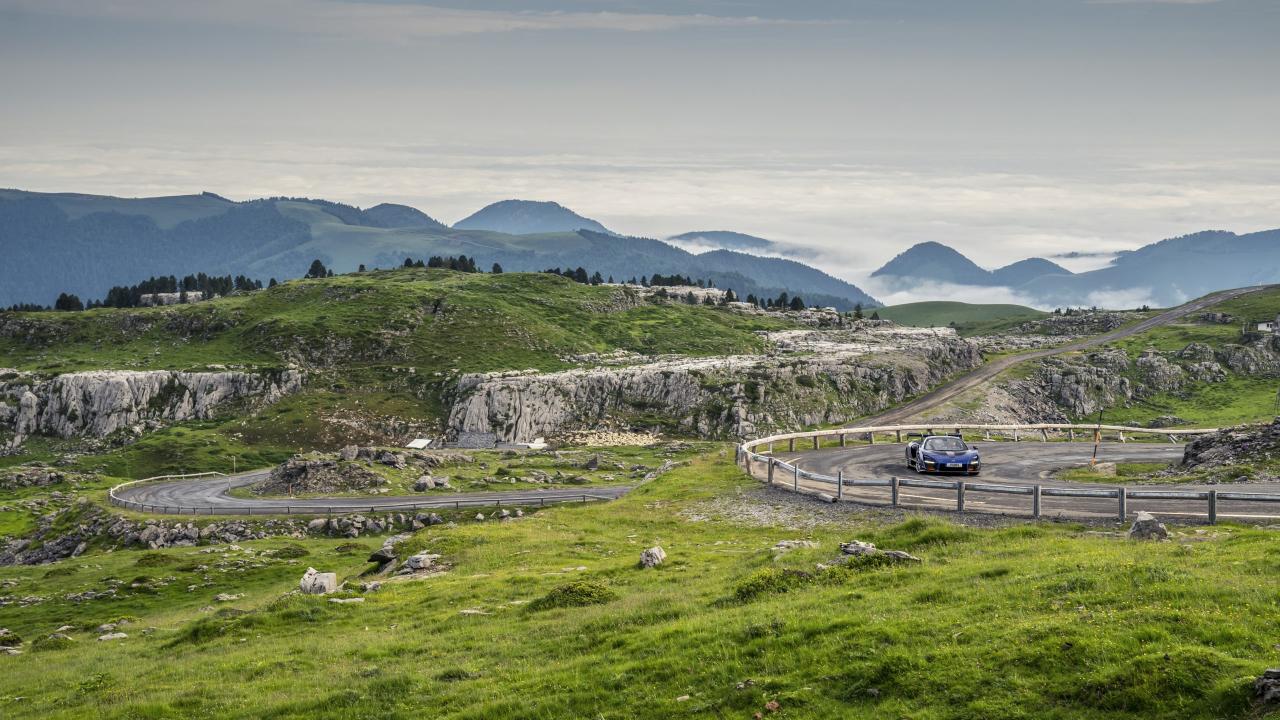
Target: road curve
x=987 y=371
x=1024 y=463
x=210 y=495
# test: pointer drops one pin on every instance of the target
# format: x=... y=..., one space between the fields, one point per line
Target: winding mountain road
x=211 y=496
x=990 y=370
x=1024 y=463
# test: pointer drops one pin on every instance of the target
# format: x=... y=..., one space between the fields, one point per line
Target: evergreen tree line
x=782 y=302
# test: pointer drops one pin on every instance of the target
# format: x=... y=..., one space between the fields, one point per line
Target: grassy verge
x=549 y=616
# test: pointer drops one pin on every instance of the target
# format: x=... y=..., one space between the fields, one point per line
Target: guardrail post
x=1213 y=507
x=772 y=462
x=796 y=474
x=899 y=436
x=815 y=442
x=839 y=485
x=1044 y=435
x=1016 y=436
x=893 y=501
x=842 y=439
x=1035 y=502
x=1071 y=434
x=1121 y=434
x=1123 y=495
x=871 y=438
x=791 y=445
x=959 y=496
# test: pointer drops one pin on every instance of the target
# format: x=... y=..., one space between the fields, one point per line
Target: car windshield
x=944 y=443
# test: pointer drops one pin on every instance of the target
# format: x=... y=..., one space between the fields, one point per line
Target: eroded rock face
x=1233 y=446
x=813 y=377
x=100 y=403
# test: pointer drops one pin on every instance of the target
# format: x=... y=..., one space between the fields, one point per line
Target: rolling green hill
x=942 y=313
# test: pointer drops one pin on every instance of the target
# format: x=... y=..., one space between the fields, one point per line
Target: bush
x=52 y=642
x=154 y=559
x=289 y=552
x=771 y=581
x=575 y=594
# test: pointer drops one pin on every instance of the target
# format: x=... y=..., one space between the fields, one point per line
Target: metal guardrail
x=335 y=508
x=748 y=457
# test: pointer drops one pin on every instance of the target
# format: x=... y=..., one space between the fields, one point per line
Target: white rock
x=112 y=636
x=318 y=583
x=653 y=557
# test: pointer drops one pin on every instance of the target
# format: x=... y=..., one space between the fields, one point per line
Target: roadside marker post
x=1035 y=502
x=894 y=492
x=839 y=485
x=1213 y=507
x=1123 y=495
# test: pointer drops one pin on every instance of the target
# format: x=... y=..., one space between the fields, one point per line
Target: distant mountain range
x=84 y=244
x=935 y=261
x=723 y=240
x=1166 y=273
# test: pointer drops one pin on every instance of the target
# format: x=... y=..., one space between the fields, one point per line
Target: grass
x=967 y=318
x=1043 y=621
x=1125 y=473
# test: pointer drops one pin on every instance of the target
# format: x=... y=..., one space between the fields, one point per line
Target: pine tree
x=496 y=269
x=317 y=270
x=797 y=303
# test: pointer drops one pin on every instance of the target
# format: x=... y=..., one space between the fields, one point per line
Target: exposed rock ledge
x=99 y=403
x=813 y=377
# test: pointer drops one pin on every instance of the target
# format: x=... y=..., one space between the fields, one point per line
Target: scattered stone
x=683 y=698
x=318 y=583
x=227 y=597
x=473 y=611
x=1104 y=469
x=112 y=636
x=859 y=548
x=1146 y=527
x=479 y=516
x=420 y=562
x=653 y=557
x=9 y=638
x=346 y=601
x=368 y=587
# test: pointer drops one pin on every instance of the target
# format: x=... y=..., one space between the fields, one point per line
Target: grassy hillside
x=429 y=319
x=967 y=317
x=1030 y=621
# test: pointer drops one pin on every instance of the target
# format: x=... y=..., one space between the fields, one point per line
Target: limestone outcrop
x=810 y=377
x=102 y=402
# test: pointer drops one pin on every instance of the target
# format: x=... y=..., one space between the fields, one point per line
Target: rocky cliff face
x=100 y=403
x=811 y=376
x=1075 y=386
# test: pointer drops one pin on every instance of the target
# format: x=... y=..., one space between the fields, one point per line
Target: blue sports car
x=943 y=453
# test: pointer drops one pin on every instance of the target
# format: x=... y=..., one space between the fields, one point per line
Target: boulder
x=383 y=555
x=349 y=453
x=421 y=561
x=318 y=583
x=426 y=482
x=112 y=636
x=859 y=548
x=1266 y=689
x=653 y=557
x=1146 y=527
x=227 y=597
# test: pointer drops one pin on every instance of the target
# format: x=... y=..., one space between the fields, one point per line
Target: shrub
x=770 y=581
x=575 y=594
x=154 y=559
x=289 y=552
x=52 y=642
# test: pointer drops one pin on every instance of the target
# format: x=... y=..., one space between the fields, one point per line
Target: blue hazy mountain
x=723 y=240
x=527 y=217
x=84 y=244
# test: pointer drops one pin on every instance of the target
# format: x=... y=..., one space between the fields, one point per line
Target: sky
x=849 y=128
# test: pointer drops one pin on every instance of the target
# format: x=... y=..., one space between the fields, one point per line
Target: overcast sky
x=1005 y=128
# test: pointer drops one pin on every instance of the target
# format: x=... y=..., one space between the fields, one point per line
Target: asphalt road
x=953 y=389
x=210 y=495
x=1024 y=463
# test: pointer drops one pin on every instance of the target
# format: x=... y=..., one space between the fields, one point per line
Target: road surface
x=988 y=371
x=1024 y=463
x=210 y=495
